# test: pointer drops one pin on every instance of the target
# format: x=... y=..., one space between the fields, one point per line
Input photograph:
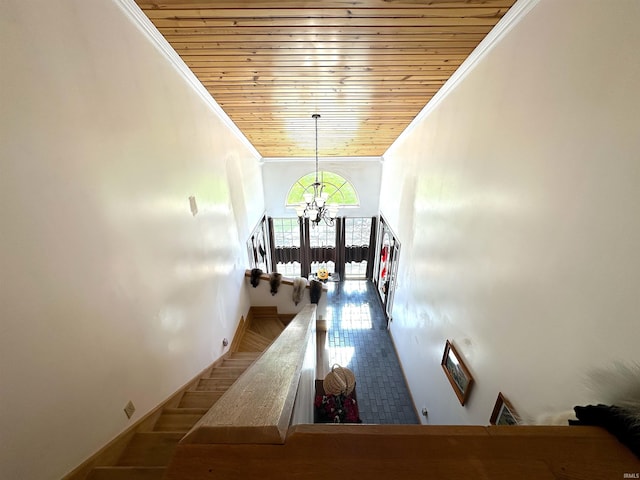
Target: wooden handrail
x=317 y=452
x=258 y=407
x=283 y=281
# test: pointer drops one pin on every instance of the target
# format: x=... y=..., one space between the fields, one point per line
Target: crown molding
x=137 y=16
x=321 y=159
x=515 y=14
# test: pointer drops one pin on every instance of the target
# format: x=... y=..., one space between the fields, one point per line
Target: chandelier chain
x=315 y=207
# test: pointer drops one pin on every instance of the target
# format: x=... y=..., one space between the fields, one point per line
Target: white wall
x=519 y=216
x=279 y=175
x=111 y=290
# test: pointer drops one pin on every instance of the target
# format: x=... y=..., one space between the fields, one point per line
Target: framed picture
x=457 y=372
x=503 y=413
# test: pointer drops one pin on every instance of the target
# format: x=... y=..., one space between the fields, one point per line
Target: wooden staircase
x=148 y=453
x=264 y=325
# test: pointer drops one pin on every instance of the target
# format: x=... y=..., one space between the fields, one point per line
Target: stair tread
x=253 y=342
x=176 y=422
x=215 y=389
x=127 y=473
x=217 y=380
x=214 y=384
x=225 y=375
x=148 y=453
x=147 y=449
x=199 y=398
x=234 y=362
x=200 y=393
x=227 y=372
x=269 y=326
x=185 y=411
x=244 y=354
x=252 y=333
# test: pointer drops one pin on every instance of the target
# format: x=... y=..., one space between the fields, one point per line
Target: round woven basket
x=339 y=381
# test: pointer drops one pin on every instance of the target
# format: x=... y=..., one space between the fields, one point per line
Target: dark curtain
x=323 y=254
x=272 y=243
x=339 y=262
x=356 y=253
x=287 y=254
x=372 y=243
x=305 y=262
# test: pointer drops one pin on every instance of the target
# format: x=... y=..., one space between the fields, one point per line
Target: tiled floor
x=358 y=339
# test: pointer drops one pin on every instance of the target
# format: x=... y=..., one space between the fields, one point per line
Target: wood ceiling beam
x=321 y=14
x=322 y=31
x=332 y=22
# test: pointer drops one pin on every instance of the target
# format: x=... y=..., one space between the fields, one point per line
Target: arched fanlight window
x=340 y=191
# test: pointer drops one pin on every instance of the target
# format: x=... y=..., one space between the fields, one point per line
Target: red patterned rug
x=335 y=408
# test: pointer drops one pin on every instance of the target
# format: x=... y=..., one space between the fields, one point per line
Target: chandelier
x=315 y=206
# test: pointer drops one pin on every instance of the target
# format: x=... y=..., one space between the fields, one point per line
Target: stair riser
x=146 y=456
x=185 y=411
x=235 y=363
x=226 y=372
x=254 y=343
x=215 y=383
x=199 y=399
x=150 y=449
x=269 y=327
x=176 y=423
x=243 y=355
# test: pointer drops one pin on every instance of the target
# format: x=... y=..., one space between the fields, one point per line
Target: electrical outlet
x=129 y=409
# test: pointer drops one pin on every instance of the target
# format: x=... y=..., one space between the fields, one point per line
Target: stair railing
x=259 y=407
x=257 y=429
x=371 y=452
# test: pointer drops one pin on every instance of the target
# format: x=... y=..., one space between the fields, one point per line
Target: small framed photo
x=457 y=372
x=503 y=412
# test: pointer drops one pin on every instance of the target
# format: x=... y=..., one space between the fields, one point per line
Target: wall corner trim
x=135 y=14
x=515 y=14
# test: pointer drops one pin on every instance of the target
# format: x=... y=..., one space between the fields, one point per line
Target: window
x=286 y=237
x=357 y=232
x=292 y=269
x=286 y=232
x=340 y=191
x=343 y=248
x=322 y=235
x=322 y=239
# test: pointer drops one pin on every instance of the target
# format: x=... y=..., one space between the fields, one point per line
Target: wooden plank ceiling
x=366 y=66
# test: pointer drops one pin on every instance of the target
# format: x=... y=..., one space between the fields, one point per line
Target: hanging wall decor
x=457 y=372
x=503 y=412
